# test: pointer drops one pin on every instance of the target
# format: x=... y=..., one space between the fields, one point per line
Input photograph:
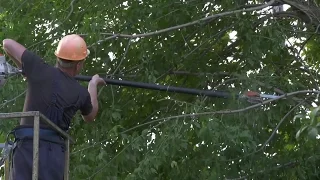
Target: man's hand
x=14 y=50
x=97 y=80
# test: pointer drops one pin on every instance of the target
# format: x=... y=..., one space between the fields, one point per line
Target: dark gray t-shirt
x=40 y=78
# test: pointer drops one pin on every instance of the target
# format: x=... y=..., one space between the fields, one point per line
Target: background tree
x=226 y=45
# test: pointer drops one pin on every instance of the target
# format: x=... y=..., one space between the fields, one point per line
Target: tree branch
x=123 y=57
x=285 y=165
x=289 y=164
x=226 y=111
x=275 y=89
x=13 y=99
x=271 y=136
x=113 y=35
x=281 y=14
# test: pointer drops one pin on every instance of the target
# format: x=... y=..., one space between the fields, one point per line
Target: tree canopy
x=232 y=46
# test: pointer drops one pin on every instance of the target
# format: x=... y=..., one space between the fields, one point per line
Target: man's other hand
x=97 y=80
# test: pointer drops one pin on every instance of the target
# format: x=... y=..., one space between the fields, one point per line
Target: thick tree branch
x=282 y=14
x=113 y=35
x=308 y=11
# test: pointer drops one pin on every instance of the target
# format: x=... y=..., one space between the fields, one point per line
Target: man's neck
x=68 y=72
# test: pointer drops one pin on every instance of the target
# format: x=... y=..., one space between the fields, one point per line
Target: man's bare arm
x=14 y=50
x=92 y=88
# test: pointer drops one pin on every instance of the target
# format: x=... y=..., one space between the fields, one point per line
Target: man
x=55 y=93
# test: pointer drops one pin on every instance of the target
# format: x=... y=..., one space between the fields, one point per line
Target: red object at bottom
x=251 y=93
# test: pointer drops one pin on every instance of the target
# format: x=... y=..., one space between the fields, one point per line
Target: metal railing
x=37 y=118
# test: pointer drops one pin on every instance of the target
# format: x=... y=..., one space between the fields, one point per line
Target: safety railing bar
x=42 y=118
x=67 y=160
x=56 y=128
x=35 y=161
x=19 y=114
x=38 y=117
x=2 y=145
x=6 y=170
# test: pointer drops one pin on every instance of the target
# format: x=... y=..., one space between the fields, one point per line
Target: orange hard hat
x=72 y=47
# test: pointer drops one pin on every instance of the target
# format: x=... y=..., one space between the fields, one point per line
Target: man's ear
x=79 y=65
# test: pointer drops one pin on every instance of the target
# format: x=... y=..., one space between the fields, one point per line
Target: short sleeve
x=33 y=66
x=86 y=107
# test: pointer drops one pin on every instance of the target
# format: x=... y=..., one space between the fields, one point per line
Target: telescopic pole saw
x=6 y=70
x=221 y=94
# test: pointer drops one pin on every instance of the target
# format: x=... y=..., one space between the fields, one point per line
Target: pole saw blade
x=6 y=70
x=255 y=97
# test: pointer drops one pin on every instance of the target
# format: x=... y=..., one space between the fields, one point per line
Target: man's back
x=46 y=83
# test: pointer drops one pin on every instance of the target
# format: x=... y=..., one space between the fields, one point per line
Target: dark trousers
x=51 y=161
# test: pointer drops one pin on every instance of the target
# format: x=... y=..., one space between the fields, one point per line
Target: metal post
x=6 y=169
x=67 y=154
x=36 y=147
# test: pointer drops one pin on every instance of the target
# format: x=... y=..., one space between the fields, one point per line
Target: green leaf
x=101 y=155
x=173 y=164
x=298 y=116
x=153 y=171
x=116 y=115
x=298 y=134
x=197 y=124
x=313 y=132
x=313 y=114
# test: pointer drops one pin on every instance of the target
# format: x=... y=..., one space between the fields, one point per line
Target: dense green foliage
x=145 y=134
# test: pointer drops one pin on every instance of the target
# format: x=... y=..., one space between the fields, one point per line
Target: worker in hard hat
x=55 y=93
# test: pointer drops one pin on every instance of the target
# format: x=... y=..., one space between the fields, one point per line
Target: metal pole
x=221 y=94
x=67 y=155
x=36 y=147
x=6 y=169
